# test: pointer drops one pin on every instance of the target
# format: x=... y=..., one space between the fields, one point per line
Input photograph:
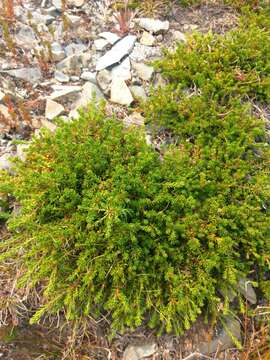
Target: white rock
x=89 y=76
x=5 y=163
x=26 y=37
x=134 y=119
x=71 y=65
x=122 y=71
x=73 y=48
x=2 y=95
x=21 y=151
x=53 y=109
x=48 y=125
x=104 y=79
x=100 y=44
x=120 y=93
x=33 y=75
x=118 y=51
x=133 y=352
x=138 y=92
x=153 y=25
x=64 y=92
x=143 y=52
x=89 y=92
x=58 y=53
x=4 y=111
x=61 y=77
x=73 y=19
x=57 y=4
x=179 y=36
x=77 y=3
x=112 y=38
x=147 y=39
x=145 y=72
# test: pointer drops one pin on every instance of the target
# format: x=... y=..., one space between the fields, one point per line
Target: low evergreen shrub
x=109 y=226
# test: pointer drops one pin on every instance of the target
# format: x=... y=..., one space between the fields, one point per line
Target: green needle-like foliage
x=108 y=226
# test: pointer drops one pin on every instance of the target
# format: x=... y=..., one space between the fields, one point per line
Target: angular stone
x=246 y=289
x=89 y=76
x=48 y=125
x=147 y=39
x=104 y=79
x=71 y=65
x=58 y=4
x=225 y=340
x=144 y=72
x=53 y=109
x=153 y=25
x=138 y=352
x=122 y=71
x=100 y=44
x=21 y=151
x=58 y=53
x=116 y=54
x=89 y=92
x=138 y=92
x=32 y=75
x=179 y=36
x=74 y=20
x=134 y=119
x=26 y=37
x=143 y=52
x=112 y=38
x=61 y=77
x=73 y=48
x=77 y=3
x=65 y=92
x=120 y=93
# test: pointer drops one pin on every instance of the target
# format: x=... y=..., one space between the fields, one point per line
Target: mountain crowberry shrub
x=108 y=226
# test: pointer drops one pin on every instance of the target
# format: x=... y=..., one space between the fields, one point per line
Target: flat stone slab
x=117 y=53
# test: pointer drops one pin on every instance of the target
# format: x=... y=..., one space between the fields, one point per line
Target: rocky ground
x=57 y=56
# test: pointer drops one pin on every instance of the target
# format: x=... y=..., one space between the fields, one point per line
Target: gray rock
x=120 y=93
x=246 y=289
x=39 y=18
x=48 y=125
x=61 y=77
x=104 y=79
x=26 y=37
x=89 y=92
x=77 y=3
x=32 y=75
x=230 y=333
x=116 y=54
x=138 y=352
x=153 y=25
x=71 y=65
x=138 y=92
x=5 y=163
x=73 y=48
x=147 y=39
x=122 y=71
x=112 y=38
x=53 y=109
x=73 y=19
x=143 y=52
x=58 y=4
x=179 y=36
x=2 y=95
x=65 y=92
x=21 y=151
x=144 y=72
x=100 y=44
x=51 y=11
x=58 y=53
x=89 y=76
x=134 y=119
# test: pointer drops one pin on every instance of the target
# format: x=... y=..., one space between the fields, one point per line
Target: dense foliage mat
x=110 y=227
